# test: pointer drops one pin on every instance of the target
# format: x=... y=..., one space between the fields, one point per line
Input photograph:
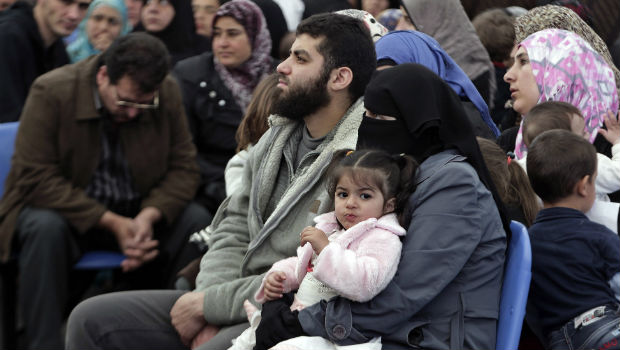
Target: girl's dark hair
x=513 y=185
x=254 y=122
x=393 y=175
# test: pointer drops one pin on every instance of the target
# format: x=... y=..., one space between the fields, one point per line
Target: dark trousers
x=603 y=333
x=278 y=323
x=47 y=249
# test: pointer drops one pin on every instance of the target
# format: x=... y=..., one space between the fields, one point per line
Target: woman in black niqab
x=429 y=119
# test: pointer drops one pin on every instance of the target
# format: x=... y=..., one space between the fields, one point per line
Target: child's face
x=358 y=202
x=577 y=125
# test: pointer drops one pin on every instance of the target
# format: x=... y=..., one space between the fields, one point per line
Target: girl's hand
x=274 y=285
x=612 y=134
x=314 y=236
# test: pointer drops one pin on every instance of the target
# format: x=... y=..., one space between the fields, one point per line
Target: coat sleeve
x=36 y=163
x=443 y=233
x=178 y=185
x=220 y=269
x=362 y=273
x=288 y=267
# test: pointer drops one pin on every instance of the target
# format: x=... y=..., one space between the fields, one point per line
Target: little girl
x=353 y=251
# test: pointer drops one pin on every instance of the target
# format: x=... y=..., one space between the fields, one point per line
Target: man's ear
x=102 y=76
x=581 y=186
x=389 y=206
x=340 y=78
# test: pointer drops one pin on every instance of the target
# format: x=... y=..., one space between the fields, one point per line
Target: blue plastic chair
x=96 y=260
x=517 y=276
x=100 y=260
x=8 y=131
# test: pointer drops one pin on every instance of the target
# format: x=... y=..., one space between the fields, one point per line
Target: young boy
x=561 y=115
x=575 y=262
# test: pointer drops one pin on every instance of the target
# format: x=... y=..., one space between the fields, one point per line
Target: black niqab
x=432 y=114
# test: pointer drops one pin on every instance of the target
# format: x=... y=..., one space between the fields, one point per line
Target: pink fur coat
x=358 y=263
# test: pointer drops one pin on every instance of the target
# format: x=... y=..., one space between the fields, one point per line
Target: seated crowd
x=307 y=174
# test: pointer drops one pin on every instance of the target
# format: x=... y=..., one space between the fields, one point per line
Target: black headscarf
x=180 y=35
x=430 y=112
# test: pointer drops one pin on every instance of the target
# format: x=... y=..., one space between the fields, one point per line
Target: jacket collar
x=555 y=213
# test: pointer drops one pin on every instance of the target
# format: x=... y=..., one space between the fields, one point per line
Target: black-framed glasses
x=128 y=104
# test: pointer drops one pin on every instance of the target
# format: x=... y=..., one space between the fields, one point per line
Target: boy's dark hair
x=546 y=116
x=556 y=161
x=393 y=175
x=141 y=57
x=346 y=43
x=496 y=31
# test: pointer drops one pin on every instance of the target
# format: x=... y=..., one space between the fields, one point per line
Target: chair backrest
x=100 y=260
x=517 y=276
x=8 y=131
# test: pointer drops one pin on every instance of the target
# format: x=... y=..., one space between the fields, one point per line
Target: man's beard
x=305 y=99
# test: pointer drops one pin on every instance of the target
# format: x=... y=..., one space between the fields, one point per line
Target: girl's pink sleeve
x=290 y=283
x=361 y=274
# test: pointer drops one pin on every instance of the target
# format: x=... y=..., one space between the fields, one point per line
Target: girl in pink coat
x=352 y=251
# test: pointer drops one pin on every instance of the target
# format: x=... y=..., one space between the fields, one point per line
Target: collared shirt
x=112 y=183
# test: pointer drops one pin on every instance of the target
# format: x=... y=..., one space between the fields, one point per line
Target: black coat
x=23 y=58
x=213 y=116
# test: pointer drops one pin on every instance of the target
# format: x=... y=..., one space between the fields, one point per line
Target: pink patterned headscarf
x=567 y=69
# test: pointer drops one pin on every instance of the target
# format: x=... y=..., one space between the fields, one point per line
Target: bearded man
x=319 y=112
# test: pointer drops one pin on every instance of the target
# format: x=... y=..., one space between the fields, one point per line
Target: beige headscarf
x=559 y=17
x=447 y=22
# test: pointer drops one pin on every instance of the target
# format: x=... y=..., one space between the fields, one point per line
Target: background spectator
x=31 y=44
x=134 y=9
x=415 y=47
x=105 y=21
x=204 y=11
x=511 y=183
x=217 y=88
x=458 y=37
x=495 y=28
x=172 y=22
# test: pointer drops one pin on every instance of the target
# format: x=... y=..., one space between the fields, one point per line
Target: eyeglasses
x=127 y=104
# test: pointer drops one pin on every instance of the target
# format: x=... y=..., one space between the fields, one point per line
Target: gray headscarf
x=447 y=22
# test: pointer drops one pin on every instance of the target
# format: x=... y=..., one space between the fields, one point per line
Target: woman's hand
x=314 y=236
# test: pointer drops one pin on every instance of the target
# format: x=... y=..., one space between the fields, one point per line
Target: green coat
x=59 y=142
x=243 y=243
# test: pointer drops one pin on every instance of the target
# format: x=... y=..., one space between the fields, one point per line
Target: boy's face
x=577 y=125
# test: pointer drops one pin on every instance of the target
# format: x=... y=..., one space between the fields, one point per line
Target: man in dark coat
x=103 y=160
x=31 y=44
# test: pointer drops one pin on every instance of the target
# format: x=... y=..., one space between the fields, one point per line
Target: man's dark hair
x=141 y=57
x=556 y=161
x=346 y=43
x=546 y=116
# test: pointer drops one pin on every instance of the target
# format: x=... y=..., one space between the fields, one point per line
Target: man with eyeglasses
x=103 y=160
x=31 y=44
